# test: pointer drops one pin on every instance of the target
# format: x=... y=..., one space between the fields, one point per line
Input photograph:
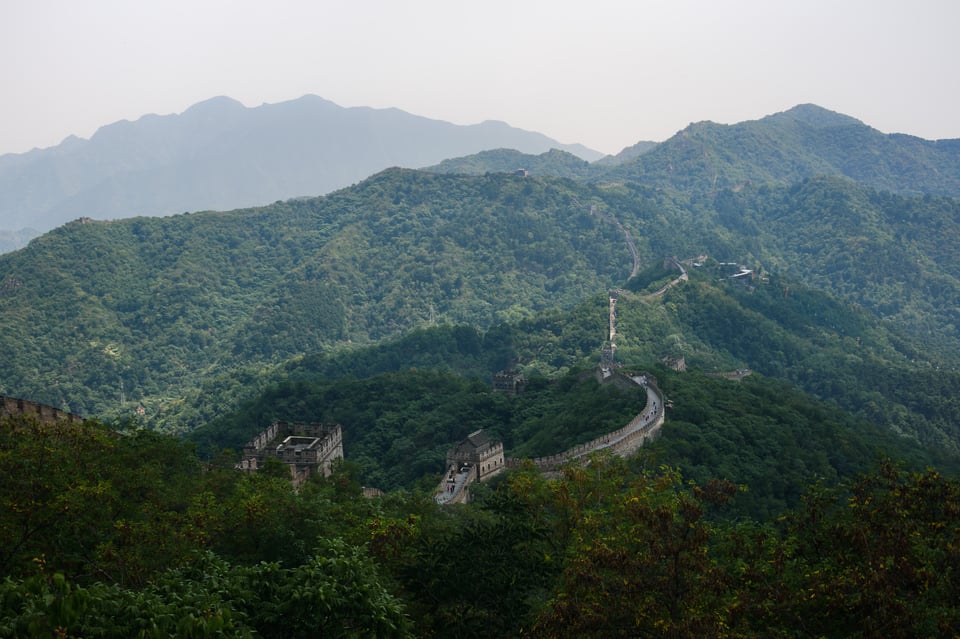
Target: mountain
x=801 y=324
x=627 y=154
x=785 y=148
x=182 y=315
x=554 y=162
x=808 y=340
x=220 y=155
x=155 y=302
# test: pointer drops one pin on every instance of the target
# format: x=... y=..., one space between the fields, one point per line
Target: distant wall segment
x=623 y=441
x=13 y=407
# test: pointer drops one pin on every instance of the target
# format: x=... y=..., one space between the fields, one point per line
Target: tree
x=639 y=563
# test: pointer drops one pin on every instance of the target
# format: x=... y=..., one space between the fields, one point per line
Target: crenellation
x=307 y=448
x=12 y=406
x=623 y=441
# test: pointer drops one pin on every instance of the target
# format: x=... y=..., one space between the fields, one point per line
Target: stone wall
x=622 y=441
x=488 y=463
x=11 y=406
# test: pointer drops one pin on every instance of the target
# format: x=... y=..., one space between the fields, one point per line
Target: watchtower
x=483 y=455
x=305 y=448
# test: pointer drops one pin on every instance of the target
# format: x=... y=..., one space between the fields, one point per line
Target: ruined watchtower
x=306 y=448
x=510 y=382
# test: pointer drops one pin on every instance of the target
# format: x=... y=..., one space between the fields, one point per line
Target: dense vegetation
x=789 y=147
x=159 y=305
x=823 y=346
x=184 y=316
x=760 y=433
x=554 y=163
x=799 y=500
x=129 y=535
x=398 y=426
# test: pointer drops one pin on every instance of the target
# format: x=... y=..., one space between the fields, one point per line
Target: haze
x=606 y=74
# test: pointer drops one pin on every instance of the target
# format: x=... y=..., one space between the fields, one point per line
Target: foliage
x=554 y=163
x=638 y=562
x=877 y=561
x=771 y=439
x=398 y=426
x=136 y=312
x=182 y=318
x=616 y=548
x=335 y=593
x=650 y=559
x=387 y=306
x=788 y=147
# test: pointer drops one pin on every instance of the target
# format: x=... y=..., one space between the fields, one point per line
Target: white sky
x=605 y=73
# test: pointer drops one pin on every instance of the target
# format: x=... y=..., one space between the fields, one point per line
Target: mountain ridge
x=790 y=146
x=803 y=142
x=145 y=299
x=218 y=154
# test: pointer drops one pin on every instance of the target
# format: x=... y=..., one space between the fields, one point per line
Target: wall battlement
x=13 y=407
x=305 y=448
x=485 y=458
x=622 y=441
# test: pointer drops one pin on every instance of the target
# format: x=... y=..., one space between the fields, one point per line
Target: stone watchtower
x=510 y=382
x=482 y=454
x=305 y=448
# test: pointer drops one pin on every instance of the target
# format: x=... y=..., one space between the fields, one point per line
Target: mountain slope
x=160 y=303
x=787 y=147
x=100 y=317
x=219 y=154
x=889 y=253
x=554 y=163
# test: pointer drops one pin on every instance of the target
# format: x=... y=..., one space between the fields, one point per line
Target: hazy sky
x=601 y=72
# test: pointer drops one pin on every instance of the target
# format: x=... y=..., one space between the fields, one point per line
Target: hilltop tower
x=305 y=448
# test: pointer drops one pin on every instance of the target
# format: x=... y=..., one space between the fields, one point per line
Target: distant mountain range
x=784 y=148
x=222 y=155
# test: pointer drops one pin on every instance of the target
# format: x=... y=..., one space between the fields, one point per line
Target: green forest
x=105 y=318
x=804 y=481
x=129 y=534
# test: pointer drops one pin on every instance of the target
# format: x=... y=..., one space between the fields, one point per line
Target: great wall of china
x=455 y=486
x=13 y=407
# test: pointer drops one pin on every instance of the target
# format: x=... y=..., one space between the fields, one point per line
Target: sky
x=604 y=73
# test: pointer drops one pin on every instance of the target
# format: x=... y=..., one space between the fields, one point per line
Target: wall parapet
x=622 y=441
x=305 y=447
x=14 y=407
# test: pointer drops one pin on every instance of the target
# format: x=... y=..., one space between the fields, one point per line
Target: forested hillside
x=803 y=483
x=782 y=149
x=159 y=313
x=785 y=148
x=809 y=341
x=158 y=304
x=889 y=253
x=129 y=535
x=554 y=163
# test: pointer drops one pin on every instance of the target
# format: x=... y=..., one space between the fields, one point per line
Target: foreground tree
x=638 y=563
x=880 y=561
